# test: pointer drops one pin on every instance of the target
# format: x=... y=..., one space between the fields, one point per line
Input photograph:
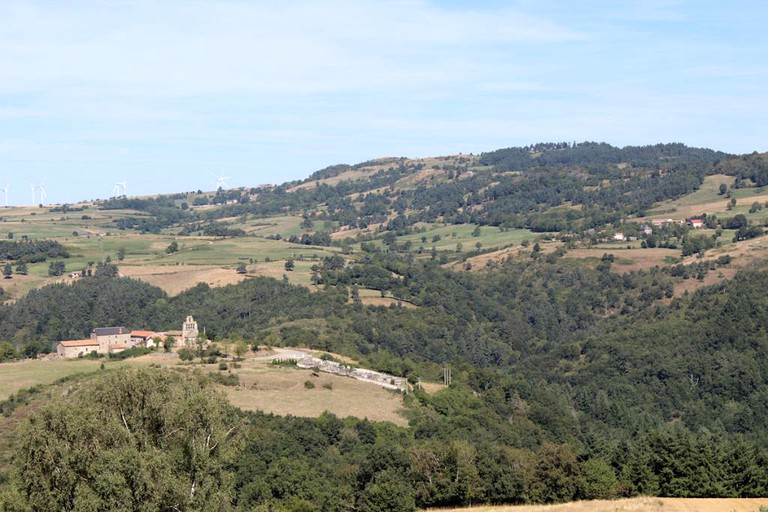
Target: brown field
x=432 y=387
x=712 y=277
x=374 y=298
x=352 y=233
x=19 y=285
x=635 y=505
x=353 y=175
x=423 y=176
x=280 y=390
x=175 y=279
x=627 y=260
x=386 y=301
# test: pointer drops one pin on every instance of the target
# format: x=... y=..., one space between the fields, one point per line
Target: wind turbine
x=123 y=184
x=221 y=181
x=43 y=194
x=32 y=186
x=119 y=189
x=5 y=191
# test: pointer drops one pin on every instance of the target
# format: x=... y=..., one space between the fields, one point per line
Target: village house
x=143 y=338
x=112 y=339
x=76 y=348
x=619 y=237
x=696 y=223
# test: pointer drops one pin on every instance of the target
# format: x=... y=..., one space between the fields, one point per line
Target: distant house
x=619 y=237
x=143 y=338
x=76 y=348
x=648 y=230
x=111 y=339
x=696 y=223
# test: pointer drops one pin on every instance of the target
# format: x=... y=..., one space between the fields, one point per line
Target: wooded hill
x=570 y=379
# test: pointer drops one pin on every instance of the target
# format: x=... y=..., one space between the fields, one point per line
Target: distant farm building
x=76 y=348
x=697 y=223
x=143 y=338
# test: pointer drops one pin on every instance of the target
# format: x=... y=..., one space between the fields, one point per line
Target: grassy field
x=452 y=234
x=198 y=259
x=627 y=260
x=708 y=200
x=25 y=374
x=636 y=505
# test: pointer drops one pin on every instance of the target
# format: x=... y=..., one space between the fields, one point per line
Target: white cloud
x=183 y=48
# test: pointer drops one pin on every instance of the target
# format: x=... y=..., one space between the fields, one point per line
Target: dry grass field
x=635 y=505
x=374 y=298
x=352 y=175
x=282 y=391
x=175 y=279
x=627 y=260
x=274 y=389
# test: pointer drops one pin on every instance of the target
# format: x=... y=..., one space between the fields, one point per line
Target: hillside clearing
x=175 y=279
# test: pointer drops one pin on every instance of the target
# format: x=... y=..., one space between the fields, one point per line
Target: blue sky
x=167 y=93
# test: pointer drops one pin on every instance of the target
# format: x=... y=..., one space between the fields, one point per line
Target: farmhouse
x=697 y=223
x=111 y=339
x=619 y=237
x=76 y=348
x=143 y=338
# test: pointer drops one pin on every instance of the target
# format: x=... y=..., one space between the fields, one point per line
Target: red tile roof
x=143 y=334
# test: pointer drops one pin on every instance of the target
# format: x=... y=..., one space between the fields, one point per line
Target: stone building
x=189 y=331
x=112 y=339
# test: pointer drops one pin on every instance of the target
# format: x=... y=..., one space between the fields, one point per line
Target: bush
x=229 y=379
x=186 y=354
x=223 y=366
x=308 y=384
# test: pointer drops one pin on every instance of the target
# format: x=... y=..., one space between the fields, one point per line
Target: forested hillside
x=573 y=377
x=557 y=394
